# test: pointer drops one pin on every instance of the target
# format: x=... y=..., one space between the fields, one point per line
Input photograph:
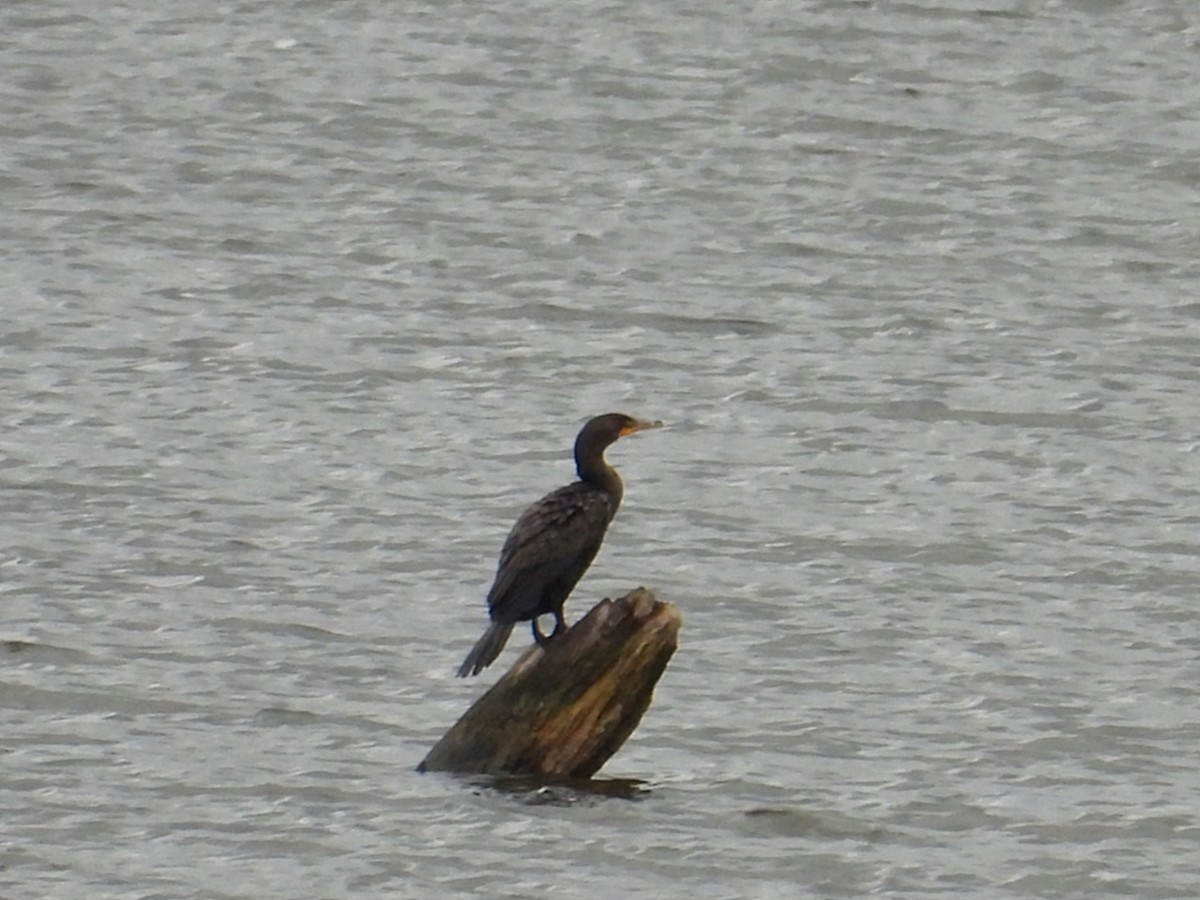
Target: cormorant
x=553 y=543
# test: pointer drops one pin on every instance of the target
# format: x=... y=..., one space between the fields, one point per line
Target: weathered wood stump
x=562 y=711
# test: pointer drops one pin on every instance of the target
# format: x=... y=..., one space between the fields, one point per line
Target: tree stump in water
x=562 y=711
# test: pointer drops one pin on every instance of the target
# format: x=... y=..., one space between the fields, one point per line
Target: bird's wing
x=562 y=526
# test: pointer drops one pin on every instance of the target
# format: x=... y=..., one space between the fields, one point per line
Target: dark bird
x=553 y=543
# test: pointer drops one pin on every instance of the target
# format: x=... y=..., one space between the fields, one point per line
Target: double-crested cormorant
x=553 y=543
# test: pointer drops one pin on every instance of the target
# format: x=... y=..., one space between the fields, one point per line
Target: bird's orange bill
x=640 y=425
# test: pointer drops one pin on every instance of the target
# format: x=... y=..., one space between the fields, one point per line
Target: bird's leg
x=542 y=640
x=560 y=624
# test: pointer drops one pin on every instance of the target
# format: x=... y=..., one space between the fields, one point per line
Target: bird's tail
x=486 y=649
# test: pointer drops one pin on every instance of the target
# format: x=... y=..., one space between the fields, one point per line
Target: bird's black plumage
x=553 y=543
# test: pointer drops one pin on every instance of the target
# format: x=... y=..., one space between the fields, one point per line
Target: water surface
x=303 y=303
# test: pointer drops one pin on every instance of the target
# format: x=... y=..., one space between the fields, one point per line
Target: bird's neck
x=599 y=473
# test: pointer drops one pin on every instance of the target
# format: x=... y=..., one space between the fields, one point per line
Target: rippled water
x=303 y=302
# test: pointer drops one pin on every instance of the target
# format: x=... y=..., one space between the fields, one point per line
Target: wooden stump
x=561 y=712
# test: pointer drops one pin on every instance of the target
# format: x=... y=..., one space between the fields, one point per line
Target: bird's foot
x=544 y=640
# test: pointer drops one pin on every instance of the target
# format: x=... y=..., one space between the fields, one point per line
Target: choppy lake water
x=304 y=302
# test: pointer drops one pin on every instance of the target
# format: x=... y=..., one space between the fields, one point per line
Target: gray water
x=303 y=302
